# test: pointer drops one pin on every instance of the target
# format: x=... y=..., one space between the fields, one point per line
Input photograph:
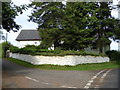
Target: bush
x=0 y=50
x=44 y=50
x=33 y=50
x=14 y=49
x=5 y=46
x=114 y=56
x=31 y=46
x=27 y=51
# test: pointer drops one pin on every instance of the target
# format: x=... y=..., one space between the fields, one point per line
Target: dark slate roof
x=28 y=35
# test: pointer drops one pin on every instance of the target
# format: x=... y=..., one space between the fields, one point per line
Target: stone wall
x=59 y=60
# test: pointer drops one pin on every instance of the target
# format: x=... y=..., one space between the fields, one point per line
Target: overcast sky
x=22 y=20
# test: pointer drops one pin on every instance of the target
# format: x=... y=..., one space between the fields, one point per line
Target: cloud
x=21 y=20
x=114 y=46
x=21 y=2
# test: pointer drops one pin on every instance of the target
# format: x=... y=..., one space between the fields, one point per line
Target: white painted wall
x=22 y=44
x=118 y=45
x=59 y=60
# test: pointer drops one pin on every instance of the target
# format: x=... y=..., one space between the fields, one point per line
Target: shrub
x=43 y=50
x=31 y=46
x=56 y=51
x=27 y=51
x=114 y=56
x=5 y=46
x=32 y=50
x=0 y=50
x=14 y=49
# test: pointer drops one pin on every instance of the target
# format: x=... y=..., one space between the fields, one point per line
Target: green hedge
x=14 y=49
x=6 y=46
x=0 y=50
x=31 y=50
x=114 y=56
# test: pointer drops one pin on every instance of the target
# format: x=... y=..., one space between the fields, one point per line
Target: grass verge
x=98 y=66
x=0 y=50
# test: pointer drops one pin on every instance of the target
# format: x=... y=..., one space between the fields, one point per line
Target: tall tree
x=48 y=16
x=103 y=25
x=58 y=22
x=78 y=35
x=116 y=35
x=78 y=24
x=9 y=13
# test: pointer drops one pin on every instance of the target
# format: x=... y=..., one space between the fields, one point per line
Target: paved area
x=108 y=78
x=112 y=80
x=16 y=76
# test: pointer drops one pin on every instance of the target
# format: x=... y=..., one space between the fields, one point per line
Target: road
x=16 y=76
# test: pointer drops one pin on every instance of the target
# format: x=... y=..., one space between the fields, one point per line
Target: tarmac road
x=16 y=76
x=112 y=80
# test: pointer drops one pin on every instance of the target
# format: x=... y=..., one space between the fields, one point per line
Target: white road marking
x=102 y=78
x=95 y=76
x=88 y=84
x=63 y=86
x=92 y=79
x=104 y=75
x=86 y=87
x=68 y=87
x=46 y=83
x=97 y=86
x=36 y=80
x=32 y=79
x=72 y=87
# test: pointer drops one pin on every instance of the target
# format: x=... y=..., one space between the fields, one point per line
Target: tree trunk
x=101 y=47
x=56 y=44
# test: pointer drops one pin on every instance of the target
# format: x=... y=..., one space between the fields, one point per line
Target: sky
x=22 y=20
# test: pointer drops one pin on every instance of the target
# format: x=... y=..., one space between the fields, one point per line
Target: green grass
x=99 y=66
x=0 y=50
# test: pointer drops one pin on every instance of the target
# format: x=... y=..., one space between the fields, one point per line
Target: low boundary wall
x=59 y=60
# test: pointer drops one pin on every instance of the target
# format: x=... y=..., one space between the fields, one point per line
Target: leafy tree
x=116 y=35
x=78 y=24
x=103 y=25
x=5 y=46
x=0 y=14
x=9 y=13
x=48 y=16
x=57 y=23
x=78 y=35
x=90 y=24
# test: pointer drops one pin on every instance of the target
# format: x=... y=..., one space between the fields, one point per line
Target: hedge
x=114 y=56
x=5 y=46
x=34 y=51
